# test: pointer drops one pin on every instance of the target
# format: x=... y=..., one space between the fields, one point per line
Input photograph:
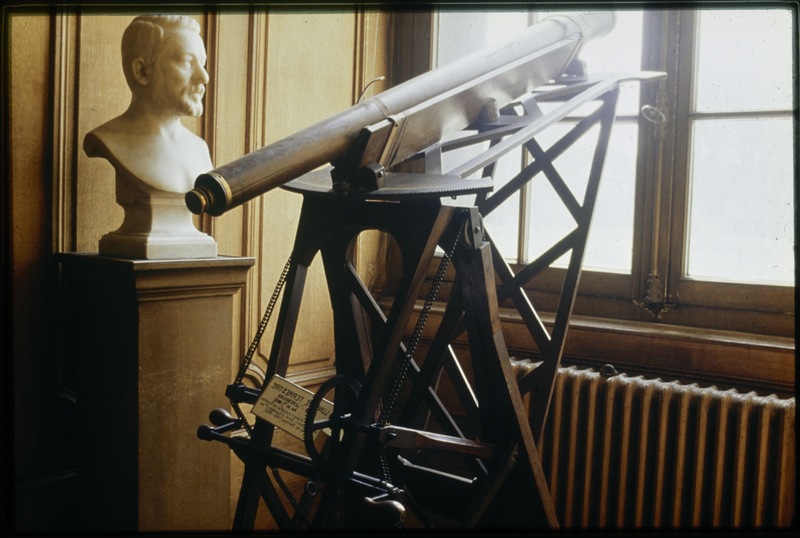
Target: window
x=609 y=247
x=740 y=162
x=694 y=219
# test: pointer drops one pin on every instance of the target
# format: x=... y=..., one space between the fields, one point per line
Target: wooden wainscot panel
x=35 y=370
x=102 y=95
x=309 y=77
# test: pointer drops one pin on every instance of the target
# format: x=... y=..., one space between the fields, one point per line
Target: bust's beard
x=192 y=100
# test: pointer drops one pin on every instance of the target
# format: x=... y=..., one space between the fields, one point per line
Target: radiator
x=628 y=452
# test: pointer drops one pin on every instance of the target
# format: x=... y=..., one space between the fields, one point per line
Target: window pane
x=502 y=226
x=741 y=224
x=744 y=60
x=610 y=242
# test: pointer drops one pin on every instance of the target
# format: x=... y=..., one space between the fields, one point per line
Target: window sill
x=726 y=359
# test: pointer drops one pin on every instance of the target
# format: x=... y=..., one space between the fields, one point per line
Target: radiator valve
x=608 y=370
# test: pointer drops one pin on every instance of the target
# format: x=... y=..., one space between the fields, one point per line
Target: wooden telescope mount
x=399 y=453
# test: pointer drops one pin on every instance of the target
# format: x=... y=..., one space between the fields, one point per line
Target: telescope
x=392 y=450
x=398 y=123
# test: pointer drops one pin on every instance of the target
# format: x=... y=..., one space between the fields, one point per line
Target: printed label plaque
x=285 y=404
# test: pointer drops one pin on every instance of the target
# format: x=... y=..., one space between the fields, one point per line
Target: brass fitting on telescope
x=211 y=194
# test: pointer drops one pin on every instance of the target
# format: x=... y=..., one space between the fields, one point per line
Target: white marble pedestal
x=157 y=226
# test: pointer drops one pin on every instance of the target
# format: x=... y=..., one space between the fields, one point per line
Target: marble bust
x=155 y=157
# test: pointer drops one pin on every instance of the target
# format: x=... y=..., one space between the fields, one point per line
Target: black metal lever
x=223 y=422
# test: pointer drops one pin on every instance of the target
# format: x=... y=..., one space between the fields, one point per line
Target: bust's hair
x=145 y=33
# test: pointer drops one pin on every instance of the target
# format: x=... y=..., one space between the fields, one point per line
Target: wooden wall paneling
x=239 y=114
x=411 y=55
x=29 y=158
x=250 y=215
x=102 y=95
x=309 y=77
x=65 y=48
x=226 y=119
x=373 y=29
x=228 y=35
x=227 y=113
x=43 y=436
x=62 y=172
x=311 y=61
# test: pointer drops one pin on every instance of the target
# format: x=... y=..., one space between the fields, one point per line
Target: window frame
x=756 y=298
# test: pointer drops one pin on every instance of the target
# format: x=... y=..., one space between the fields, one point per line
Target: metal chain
x=298 y=510
x=262 y=326
x=416 y=335
x=264 y=321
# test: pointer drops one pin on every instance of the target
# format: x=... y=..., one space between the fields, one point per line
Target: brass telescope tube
x=558 y=38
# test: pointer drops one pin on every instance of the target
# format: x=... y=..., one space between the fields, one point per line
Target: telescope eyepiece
x=211 y=195
x=197 y=200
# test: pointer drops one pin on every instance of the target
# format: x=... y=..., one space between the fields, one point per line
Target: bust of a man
x=155 y=157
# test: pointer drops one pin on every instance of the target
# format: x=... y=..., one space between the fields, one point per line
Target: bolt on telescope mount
x=398 y=451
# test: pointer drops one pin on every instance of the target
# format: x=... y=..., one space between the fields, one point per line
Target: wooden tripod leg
x=255 y=485
x=502 y=414
x=255 y=482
